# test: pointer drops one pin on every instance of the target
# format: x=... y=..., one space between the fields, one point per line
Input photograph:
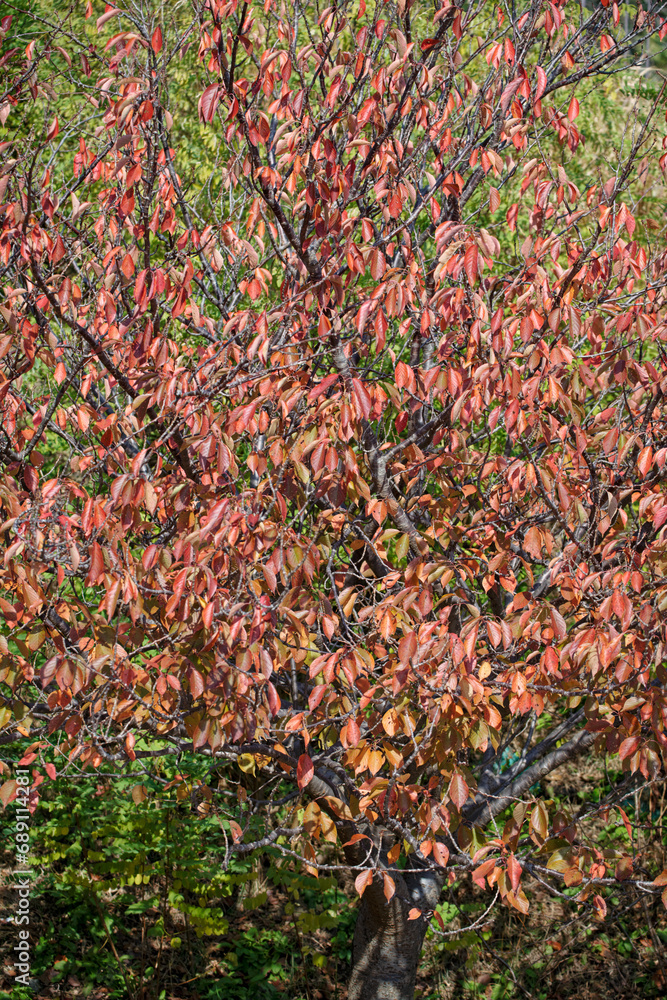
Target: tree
x=334 y=430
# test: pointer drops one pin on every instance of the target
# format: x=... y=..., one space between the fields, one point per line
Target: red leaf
x=54 y=128
x=403 y=376
x=628 y=747
x=30 y=478
x=352 y=733
x=323 y=326
x=494 y=632
x=407 y=648
x=316 y=695
x=362 y=398
x=573 y=109
x=273 y=699
x=208 y=102
x=541 y=83
x=321 y=387
x=51 y=771
x=395 y=205
x=512 y=215
x=626 y=822
x=558 y=624
x=196 y=682
x=156 y=40
x=58 y=251
x=378 y=264
x=304 y=770
x=660 y=517
x=514 y=871
x=470 y=263
x=508 y=93
x=96 y=563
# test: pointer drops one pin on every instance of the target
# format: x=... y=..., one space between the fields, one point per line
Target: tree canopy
x=333 y=425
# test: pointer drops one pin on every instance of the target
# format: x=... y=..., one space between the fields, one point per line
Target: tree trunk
x=387 y=945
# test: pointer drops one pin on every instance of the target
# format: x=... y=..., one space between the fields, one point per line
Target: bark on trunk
x=387 y=945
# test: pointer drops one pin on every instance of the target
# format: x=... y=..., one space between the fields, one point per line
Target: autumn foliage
x=341 y=457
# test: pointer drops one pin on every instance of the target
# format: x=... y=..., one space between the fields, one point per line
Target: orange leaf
x=6 y=791
x=484 y=869
x=390 y=722
x=127 y=266
x=389 y=886
x=517 y=900
x=362 y=881
x=458 y=791
x=645 y=460
x=440 y=854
